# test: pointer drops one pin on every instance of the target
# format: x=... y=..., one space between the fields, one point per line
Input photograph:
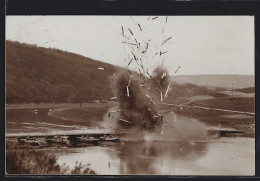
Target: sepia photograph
x=130 y=95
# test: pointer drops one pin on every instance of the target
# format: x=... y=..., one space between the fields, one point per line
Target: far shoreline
x=49 y=105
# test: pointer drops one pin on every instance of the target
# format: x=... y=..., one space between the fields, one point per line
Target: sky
x=198 y=44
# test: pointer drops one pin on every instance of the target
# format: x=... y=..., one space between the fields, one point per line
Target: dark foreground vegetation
x=36 y=162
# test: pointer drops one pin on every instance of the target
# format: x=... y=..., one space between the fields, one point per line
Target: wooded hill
x=38 y=75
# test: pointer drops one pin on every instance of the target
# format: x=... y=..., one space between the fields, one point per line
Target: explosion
x=139 y=92
x=135 y=104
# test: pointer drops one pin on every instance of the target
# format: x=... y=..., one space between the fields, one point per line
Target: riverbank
x=94 y=113
x=51 y=105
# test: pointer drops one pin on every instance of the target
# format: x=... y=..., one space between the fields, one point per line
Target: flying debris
x=123 y=31
x=100 y=68
x=154 y=116
x=127 y=91
x=170 y=89
x=163 y=75
x=139 y=85
x=129 y=80
x=134 y=55
x=128 y=43
x=177 y=69
x=136 y=42
x=118 y=110
x=162 y=128
x=113 y=112
x=166 y=93
x=140 y=72
x=125 y=121
x=146 y=48
x=112 y=98
x=130 y=61
x=161 y=117
x=140 y=27
x=148 y=96
x=161 y=53
x=166 y=40
x=114 y=74
x=130 y=31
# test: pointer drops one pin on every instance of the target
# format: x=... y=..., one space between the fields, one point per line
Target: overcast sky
x=199 y=44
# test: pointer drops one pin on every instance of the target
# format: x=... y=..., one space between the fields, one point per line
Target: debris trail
x=177 y=69
x=125 y=121
x=166 y=40
x=123 y=31
x=138 y=93
x=140 y=27
x=130 y=31
x=130 y=61
x=166 y=93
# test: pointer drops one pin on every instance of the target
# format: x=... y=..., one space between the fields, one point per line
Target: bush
x=38 y=163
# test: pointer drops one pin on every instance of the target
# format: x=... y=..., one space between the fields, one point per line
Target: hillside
x=45 y=75
x=35 y=74
x=239 y=81
x=247 y=90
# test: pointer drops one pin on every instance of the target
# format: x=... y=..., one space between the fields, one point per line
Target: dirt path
x=217 y=109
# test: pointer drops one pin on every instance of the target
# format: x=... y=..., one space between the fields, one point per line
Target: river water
x=214 y=156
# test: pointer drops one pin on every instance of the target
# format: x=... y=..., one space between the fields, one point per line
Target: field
x=89 y=112
x=236 y=103
x=220 y=118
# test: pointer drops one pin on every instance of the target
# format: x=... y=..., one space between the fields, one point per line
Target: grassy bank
x=37 y=162
x=219 y=118
x=87 y=112
x=229 y=103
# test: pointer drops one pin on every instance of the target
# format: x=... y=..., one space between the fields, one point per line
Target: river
x=214 y=156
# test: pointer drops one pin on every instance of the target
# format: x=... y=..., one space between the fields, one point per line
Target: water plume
x=136 y=108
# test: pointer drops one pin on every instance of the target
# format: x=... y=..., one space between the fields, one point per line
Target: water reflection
x=146 y=157
x=134 y=157
x=176 y=156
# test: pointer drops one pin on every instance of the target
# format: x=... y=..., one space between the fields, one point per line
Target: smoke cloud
x=136 y=107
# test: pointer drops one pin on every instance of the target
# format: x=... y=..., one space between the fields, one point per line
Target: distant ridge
x=225 y=81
